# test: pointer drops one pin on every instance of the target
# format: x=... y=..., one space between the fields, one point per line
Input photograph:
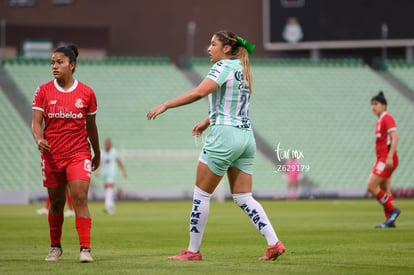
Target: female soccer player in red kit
x=379 y=183
x=68 y=109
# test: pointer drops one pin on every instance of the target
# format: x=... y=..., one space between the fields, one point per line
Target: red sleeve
x=92 y=106
x=389 y=124
x=38 y=100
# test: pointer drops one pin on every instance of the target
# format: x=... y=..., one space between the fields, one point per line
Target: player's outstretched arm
x=206 y=87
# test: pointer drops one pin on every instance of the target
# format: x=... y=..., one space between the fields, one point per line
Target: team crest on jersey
x=79 y=103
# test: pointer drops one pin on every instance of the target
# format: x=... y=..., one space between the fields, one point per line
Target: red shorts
x=56 y=172
x=381 y=171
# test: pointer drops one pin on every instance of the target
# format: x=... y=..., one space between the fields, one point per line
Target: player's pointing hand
x=156 y=111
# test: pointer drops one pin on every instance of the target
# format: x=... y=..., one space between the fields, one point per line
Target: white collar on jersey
x=60 y=89
x=382 y=115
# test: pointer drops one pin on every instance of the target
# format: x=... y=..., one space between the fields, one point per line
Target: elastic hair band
x=249 y=47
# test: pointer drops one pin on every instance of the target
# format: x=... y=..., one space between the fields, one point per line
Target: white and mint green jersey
x=109 y=162
x=229 y=104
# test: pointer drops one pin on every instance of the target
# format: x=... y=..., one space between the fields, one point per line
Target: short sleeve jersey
x=109 y=161
x=65 y=117
x=385 y=125
x=229 y=104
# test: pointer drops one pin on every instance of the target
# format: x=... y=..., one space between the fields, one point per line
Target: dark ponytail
x=380 y=97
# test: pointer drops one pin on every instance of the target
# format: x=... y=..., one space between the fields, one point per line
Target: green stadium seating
x=320 y=108
x=323 y=109
x=19 y=159
x=403 y=70
x=126 y=91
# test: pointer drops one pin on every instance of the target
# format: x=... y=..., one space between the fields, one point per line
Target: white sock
x=257 y=216
x=198 y=218
x=109 y=198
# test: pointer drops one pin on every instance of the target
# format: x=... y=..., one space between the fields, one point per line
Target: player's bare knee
x=371 y=187
x=80 y=200
x=57 y=206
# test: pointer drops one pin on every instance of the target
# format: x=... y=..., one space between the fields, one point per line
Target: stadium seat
x=402 y=70
x=20 y=160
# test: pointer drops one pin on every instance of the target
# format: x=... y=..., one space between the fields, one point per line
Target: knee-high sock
x=198 y=218
x=386 y=213
x=257 y=216
x=55 y=228
x=83 y=226
x=386 y=201
x=109 y=198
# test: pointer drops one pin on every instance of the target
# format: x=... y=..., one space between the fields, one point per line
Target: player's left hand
x=156 y=111
x=389 y=163
x=95 y=163
x=199 y=128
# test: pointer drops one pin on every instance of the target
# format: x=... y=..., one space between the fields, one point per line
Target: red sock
x=69 y=200
x=386 y=201
x=387 y=215
x=47 y=203
x=83 y=226
x=55 y=228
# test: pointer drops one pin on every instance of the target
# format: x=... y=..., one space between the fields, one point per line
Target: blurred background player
x=68 y=109
x=108 y=170
x=230 y=146
x=379 y=182
x=68 y=213
x=293 y=177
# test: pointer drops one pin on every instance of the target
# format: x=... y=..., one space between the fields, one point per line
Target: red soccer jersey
x=385 y=125
x=65 y=117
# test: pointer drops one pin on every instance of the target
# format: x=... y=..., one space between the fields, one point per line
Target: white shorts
x=109 y=178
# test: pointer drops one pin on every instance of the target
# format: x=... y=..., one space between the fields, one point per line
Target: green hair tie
x=249 y=47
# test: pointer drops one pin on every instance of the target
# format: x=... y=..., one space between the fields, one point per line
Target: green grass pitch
x=321 y=237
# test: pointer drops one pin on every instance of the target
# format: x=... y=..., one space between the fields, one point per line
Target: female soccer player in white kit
x=230 y=146
x=109 y=162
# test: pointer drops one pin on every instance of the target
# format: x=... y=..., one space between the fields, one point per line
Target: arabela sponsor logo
x=65 y=115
